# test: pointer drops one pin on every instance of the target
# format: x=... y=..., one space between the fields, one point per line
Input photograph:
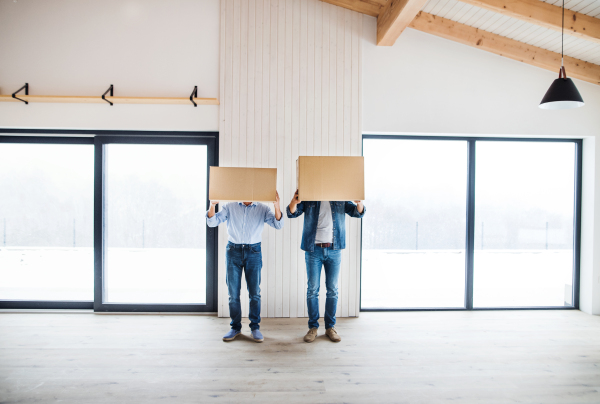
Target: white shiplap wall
x=290 y=83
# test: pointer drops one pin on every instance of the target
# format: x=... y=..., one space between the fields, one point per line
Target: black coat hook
x=26 y=87
x=111 y=94
x=194 y=94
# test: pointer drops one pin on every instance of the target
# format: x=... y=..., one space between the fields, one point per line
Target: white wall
x=290 y=86
x=429 y=85
x=144 y=47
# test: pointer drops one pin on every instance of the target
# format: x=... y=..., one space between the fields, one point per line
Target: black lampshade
x=562 y=94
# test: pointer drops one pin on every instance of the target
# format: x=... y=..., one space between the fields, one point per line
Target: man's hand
x=360 y=206
x=276 y=206
x=295 y=201
x=211 y=211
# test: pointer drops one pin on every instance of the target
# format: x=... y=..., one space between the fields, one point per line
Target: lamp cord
x=562 y=37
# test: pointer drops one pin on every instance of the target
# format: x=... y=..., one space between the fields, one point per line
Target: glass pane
x=46 y=219
x=414 y=231
x=155 y=228
x=524 y=224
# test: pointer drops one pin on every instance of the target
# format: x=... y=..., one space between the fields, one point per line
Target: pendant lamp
x=562 y=94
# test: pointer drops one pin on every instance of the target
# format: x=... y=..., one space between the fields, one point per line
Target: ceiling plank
x=369 y=7
x=503 y=46
x=394 y=18
x=546 y=15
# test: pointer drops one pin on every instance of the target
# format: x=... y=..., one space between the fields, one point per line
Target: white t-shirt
x=325 y=224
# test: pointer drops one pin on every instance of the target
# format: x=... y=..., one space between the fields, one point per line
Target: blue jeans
x=248 y=258
x=315 y=260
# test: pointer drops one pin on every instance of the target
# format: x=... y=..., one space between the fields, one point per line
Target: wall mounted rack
x=103 y=99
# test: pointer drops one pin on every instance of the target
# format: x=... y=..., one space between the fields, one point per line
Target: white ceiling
x=522 y=31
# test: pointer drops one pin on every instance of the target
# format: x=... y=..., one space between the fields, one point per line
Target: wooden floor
x=417 y=357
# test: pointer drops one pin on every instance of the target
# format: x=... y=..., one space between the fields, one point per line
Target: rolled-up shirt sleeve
x=298 y=212
x=272 y=221
x=352 y=210
x=218 y=218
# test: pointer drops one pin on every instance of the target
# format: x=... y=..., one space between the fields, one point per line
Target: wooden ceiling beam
x=546 y=15
x=503 y=46
x=394 y=18
x=368 y=7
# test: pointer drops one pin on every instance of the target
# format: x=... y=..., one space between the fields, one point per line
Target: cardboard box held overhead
x=330 y=178
x=242 y=184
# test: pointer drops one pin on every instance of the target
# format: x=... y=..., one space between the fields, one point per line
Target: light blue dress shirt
x=245 y=223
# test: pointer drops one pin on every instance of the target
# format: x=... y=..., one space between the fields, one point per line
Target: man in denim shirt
x=245 y=223
x=323 y=238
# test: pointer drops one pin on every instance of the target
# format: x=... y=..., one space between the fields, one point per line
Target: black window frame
x=470 y=222
x=100 y=138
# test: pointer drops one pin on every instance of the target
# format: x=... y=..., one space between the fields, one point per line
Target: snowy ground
x=408 y=278
x=390 y=278
x=159 y=275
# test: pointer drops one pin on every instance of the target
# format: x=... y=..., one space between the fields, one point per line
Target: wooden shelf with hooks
x=116 y=100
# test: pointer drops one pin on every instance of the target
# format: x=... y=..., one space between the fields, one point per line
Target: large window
x=414 y=235
x=524 y=210
x=155 y=227
x=46 y=219
x=108 y=221
x=463 y=223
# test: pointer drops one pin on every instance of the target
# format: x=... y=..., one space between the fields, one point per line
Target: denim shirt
x=311 y=209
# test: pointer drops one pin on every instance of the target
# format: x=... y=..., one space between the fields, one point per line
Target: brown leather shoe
x=310 y=335
x=333 y=335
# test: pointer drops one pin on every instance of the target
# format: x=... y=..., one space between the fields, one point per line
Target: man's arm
x=296 y=207
x=353 y=210
x=274 y=220
x=214 y=219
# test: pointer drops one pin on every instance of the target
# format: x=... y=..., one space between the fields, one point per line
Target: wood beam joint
x=394 y=18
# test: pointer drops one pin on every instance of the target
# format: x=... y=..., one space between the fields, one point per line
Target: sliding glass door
x=524 y=211
x=155 y=202
x=110 y=221
x=463 y=223
x=414 y=234
x=46 y=221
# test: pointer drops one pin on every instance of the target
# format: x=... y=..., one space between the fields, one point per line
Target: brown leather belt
x=323 y=245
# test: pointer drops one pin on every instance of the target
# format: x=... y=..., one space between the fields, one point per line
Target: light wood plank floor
x=417 y=357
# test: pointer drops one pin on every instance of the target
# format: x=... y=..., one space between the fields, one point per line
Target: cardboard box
x=242 y=184
x=330 y=178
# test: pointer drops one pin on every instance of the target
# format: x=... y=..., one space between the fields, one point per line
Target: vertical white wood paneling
x=270 y=119
x=243 y=100
x=346 y=134
x=281 y=135
x=271 y=78
x=310 y=138
x=302 y=65
x=332 y=135
x=225 y=140
x=340 y=142
x=355 y=142
x=318 y=129
x=262 y=142
x=255 y=92
x=325 y=80
x=290 y=86
x=359 y=153
x=293 y=224
x=223 y=51
x=288 y=141
x=235 y=118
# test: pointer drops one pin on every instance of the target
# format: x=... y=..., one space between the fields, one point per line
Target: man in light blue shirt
x=245 y=223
